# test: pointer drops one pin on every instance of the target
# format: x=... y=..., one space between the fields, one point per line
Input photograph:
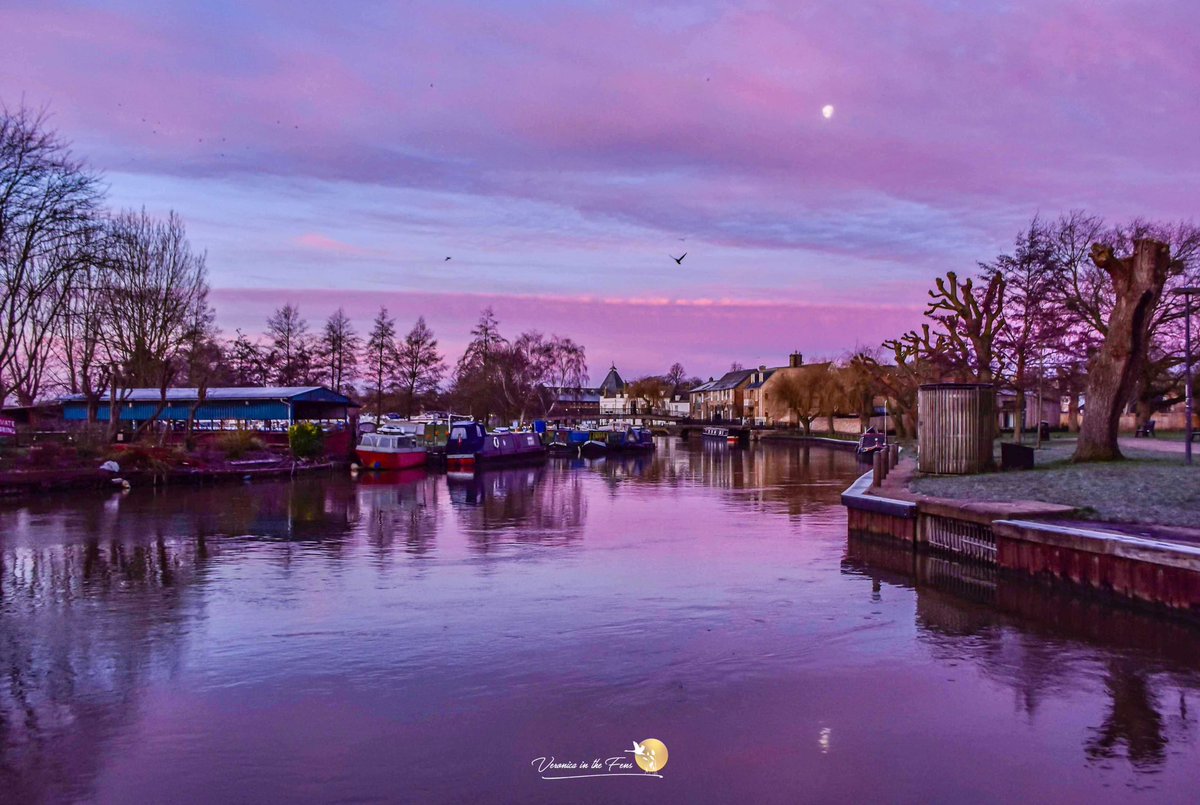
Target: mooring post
x=880 y=468
x=893 y=454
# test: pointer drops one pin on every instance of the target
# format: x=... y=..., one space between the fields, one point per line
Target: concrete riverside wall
x=1151 y=571
x=1138 y=569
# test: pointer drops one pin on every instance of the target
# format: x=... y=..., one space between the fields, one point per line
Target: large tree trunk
x=1138 y=282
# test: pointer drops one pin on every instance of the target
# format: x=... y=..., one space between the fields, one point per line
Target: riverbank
x=1035 y=526
x=23 y=483
x=1152 y=487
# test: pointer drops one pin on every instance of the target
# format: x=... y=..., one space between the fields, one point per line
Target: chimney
x=796 y=359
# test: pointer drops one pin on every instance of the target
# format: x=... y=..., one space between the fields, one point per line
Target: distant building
x=588 y=403
x=679 y=406
x=762 y=402
x=570 y=405
x=268 y=408
x=613 y=400
x=721 y=399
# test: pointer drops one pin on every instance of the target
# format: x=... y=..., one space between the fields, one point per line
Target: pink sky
x=560 y=151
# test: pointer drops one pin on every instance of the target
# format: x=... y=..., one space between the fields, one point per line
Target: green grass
x=1145 y=488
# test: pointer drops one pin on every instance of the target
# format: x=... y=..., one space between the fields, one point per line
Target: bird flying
x=678 y=260
x=446 y=259
x=637 y=749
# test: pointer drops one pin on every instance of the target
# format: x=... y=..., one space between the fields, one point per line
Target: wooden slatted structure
x=954 y=428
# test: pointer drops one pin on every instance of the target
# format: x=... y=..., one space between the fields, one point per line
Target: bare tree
x=477 y=377
x=675 y=377
x=419 y=365
x=807 y=393
x=1034 y=324
x=247 y=362
x=291 y=346
x=380 y=356
x=338 y=350
x=48 y=217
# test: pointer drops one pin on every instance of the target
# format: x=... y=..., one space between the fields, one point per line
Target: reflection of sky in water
x=423 y=637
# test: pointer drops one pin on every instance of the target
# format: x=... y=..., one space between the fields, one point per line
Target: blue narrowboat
x=469 y=445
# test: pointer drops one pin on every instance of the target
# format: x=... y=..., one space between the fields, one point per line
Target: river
x=425 y=638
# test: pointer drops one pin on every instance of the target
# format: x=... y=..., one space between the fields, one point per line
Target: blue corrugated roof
x=225 y=394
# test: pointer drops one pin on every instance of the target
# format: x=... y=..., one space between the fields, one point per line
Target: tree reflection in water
x=1039 y=641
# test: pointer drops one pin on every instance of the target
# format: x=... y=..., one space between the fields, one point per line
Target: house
x=763 y=404
x=1006 y=410
x=265 y=408
x=721 y=400
x=679 y=406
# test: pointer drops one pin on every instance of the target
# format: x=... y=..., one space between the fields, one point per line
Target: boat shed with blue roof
x=225 y=408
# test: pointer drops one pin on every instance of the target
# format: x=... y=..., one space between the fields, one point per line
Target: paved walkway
x=1157 y=445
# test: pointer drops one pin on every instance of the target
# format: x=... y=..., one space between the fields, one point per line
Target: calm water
x=428 y=638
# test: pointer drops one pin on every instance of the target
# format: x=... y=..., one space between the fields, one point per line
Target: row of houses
x=740 y=395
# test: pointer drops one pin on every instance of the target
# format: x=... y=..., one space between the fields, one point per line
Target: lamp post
x=1187 y=294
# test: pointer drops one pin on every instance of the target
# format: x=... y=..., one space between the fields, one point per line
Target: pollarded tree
x=419 y=366
x=379 y=357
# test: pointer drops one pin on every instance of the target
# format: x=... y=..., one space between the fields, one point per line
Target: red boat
x=385 y=451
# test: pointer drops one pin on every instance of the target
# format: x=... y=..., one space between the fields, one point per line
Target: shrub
x=237 y=443
x=145 y=457
x=306 y=440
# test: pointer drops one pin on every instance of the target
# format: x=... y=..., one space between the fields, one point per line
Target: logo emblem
x=650 y=754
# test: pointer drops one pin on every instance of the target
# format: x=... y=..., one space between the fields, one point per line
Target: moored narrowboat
x=386 y=451
x=470 y=445
x=870 y=443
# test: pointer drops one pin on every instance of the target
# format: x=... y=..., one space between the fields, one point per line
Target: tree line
x=1079 y=308
x=95 y=302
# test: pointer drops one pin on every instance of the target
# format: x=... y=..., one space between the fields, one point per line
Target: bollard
x=894 y=454
x=880 y=472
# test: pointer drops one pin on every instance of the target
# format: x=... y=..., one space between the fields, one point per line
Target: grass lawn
x=1146 y=488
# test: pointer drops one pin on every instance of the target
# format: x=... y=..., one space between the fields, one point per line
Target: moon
x=827 y=111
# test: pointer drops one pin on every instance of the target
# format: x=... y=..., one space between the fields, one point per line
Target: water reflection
x=238 y=637
x=400 y=508
x=1041 y=641
x=543 y=504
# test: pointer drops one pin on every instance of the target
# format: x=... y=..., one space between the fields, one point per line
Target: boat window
x=458 y=433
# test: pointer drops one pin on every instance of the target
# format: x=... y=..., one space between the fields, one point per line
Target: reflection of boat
x=871 y=442
x=382 y=451
x=470 y=445
x=396 y=478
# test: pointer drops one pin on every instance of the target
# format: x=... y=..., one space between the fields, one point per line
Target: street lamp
x=1187 y=294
